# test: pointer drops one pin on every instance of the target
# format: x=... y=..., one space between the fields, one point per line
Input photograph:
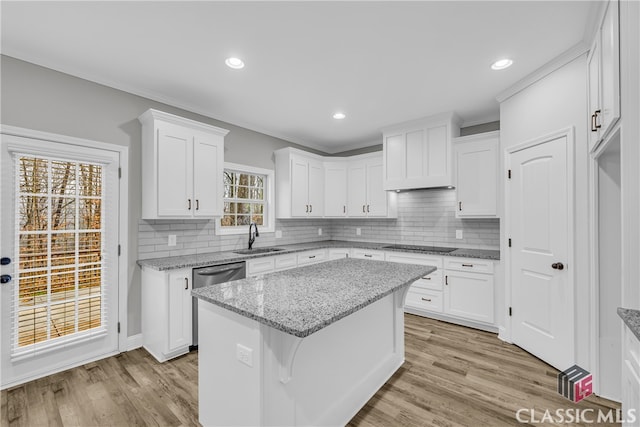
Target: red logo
x=575 y=383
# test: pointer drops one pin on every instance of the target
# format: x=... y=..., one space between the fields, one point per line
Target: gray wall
x=39 y=98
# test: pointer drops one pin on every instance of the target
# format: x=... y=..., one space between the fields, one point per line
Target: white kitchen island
x=307 y=346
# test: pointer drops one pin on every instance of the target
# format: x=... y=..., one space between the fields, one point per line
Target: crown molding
x=563 y=59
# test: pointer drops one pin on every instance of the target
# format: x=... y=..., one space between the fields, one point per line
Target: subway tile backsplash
x=425 y=217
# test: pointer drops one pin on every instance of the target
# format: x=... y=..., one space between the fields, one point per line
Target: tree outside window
x=244 y=199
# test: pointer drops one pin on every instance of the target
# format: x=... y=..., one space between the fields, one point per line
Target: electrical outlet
x=278 y=234
x=172 y=240
x=358 y=231
x=319 y=231
x=458 y=234
x=244 y=354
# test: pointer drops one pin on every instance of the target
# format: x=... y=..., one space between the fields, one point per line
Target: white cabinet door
x=207 y=171
x=376 y=196
x=262 y=265
x=610 y=68
x=179 y=318
x=316 y=189
x=593 y=68
x=299 y=186
x=311 y=257
x=604 y=76
x=357 y=189
x=335 y=189
x=477 y=176
x=174 y=166
x=339 y=253
x=469 y=295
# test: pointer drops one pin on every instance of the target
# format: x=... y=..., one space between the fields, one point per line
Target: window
x=60 y=249
x=247 y=198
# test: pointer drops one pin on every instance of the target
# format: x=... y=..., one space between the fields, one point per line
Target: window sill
x=241 y=230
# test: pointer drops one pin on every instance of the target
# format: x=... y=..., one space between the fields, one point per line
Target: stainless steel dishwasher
x=205 y=276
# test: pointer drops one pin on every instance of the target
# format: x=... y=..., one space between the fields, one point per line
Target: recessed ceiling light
x=339 y=116
x=235 y=63
x=501 y=64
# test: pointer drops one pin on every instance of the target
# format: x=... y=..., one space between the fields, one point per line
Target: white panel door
x=60 y=222
x=542 y=294
x=357 y=189
x=174 y=169
x=610 y=68
x=207 y=172
x=316 y=189
x=180 y=306
x=593 y=67
x=335 y=189
x=299 y=187
x=416 y=151
x=376 y=196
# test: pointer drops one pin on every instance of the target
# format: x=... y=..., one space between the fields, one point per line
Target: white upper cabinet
x=299 y=184
x=182 y=163
x=476 y=169
x=308 y=185
x=604 y=76
x=418 y=154
x=335 y=189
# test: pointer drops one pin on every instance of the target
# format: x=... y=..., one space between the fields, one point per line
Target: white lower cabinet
x=285 y=262
x=630 y=379
x=459 y=291
x=262 y=265
x=166 y=312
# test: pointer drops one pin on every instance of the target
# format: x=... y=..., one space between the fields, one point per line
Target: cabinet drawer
x=284 y=262
x=431 y=281
x=425 y=300
x=260 y=266
x=367 y=254
x=414 y=259
x=471 y=265
x=312 y=257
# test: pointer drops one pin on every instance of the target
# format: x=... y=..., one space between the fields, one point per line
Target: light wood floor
x=453 y=376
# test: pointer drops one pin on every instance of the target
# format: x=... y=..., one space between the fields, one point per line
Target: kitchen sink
x=257 y=251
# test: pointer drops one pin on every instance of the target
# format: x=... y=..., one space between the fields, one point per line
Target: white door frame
x=594 y=257
x=123 y=202
x=569 y=133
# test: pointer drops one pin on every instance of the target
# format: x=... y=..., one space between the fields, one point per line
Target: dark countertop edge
x=315 y=328
x=631 y=318
x=190 y=261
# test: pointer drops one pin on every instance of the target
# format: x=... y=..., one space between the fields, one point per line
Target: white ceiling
x=380 y=62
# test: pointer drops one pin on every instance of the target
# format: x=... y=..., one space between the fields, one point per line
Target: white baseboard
x=133 y=342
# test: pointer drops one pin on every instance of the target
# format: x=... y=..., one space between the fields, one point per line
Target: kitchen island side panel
x=322 y=379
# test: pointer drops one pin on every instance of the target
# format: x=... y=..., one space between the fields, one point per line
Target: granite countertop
x=631 y=318
x=304 y=300
x=213 y=258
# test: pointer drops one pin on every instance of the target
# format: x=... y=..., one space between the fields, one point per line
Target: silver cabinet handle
x=186 y=283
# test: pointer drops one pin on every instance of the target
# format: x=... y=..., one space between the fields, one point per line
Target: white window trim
x=269 y=203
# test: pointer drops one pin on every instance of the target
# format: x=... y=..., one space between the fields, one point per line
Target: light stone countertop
x=214 y=258
x=631 y=318
x=304 y=300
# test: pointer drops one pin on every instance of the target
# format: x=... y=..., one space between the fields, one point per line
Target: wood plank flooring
x=453 y=376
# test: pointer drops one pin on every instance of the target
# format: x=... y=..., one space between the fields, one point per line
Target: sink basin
x=257 y=251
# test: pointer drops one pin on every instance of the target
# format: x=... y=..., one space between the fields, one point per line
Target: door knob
x=557 y=266
x=5 y=278
x=5 y=260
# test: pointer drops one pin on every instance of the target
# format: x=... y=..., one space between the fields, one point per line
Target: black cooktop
x=416 y=248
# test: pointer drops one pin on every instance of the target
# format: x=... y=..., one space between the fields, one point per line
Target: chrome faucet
x=252 y=235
